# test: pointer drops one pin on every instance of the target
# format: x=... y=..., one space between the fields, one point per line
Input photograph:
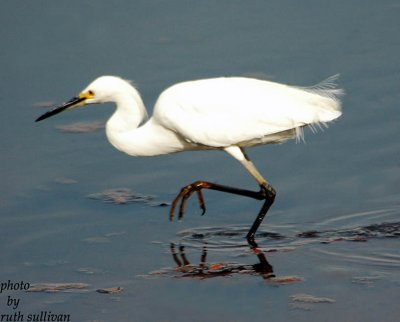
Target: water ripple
x=234 y=237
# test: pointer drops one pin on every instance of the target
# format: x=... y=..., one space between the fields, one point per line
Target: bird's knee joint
x=198 y=185
x=268 y=191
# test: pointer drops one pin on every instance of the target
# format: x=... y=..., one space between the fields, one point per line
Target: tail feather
x=329 y=110
x=327 y=88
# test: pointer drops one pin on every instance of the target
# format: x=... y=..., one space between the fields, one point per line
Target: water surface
x=329 y=247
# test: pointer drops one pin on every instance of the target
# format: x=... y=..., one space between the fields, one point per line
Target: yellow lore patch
x=86 y=95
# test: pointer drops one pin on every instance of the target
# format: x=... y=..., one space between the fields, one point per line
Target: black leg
x=266 y=193
x=263 y=211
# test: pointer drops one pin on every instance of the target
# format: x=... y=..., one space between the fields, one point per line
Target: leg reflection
x=208 y=270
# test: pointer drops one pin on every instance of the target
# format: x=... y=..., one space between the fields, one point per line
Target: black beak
x=59 y=109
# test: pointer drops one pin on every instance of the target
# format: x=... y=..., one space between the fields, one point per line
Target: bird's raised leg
x=266 y=192
x=197 y=186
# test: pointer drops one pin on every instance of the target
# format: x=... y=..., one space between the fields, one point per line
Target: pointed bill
x=73 y=102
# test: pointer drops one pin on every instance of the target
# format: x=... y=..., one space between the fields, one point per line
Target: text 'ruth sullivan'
x=43 y=316
x=13 y=303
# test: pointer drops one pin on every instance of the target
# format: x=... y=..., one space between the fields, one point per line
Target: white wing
x=220 y=112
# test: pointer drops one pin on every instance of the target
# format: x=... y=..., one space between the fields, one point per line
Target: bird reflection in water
x=205 y=270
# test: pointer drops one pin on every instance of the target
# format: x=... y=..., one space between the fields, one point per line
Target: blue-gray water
x=333 y=232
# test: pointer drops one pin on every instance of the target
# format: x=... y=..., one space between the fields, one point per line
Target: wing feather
x=220 y=112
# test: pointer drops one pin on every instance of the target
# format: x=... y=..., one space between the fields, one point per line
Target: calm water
x=333 y=232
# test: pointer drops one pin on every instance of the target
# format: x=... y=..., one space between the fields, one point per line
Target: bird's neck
x=125 y=134
x=130 y=112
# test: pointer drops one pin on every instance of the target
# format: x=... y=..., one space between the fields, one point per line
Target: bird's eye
x=91 y=93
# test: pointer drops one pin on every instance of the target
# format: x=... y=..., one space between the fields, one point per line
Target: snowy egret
x=226 y=113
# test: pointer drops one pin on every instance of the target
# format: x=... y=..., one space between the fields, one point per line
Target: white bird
x=226 y=113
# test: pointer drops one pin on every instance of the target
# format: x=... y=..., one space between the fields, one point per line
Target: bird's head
x=101 y=90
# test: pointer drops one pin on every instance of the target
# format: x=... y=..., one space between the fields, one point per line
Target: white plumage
x=221 y=112
x=227 y=113
x=213 y=113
